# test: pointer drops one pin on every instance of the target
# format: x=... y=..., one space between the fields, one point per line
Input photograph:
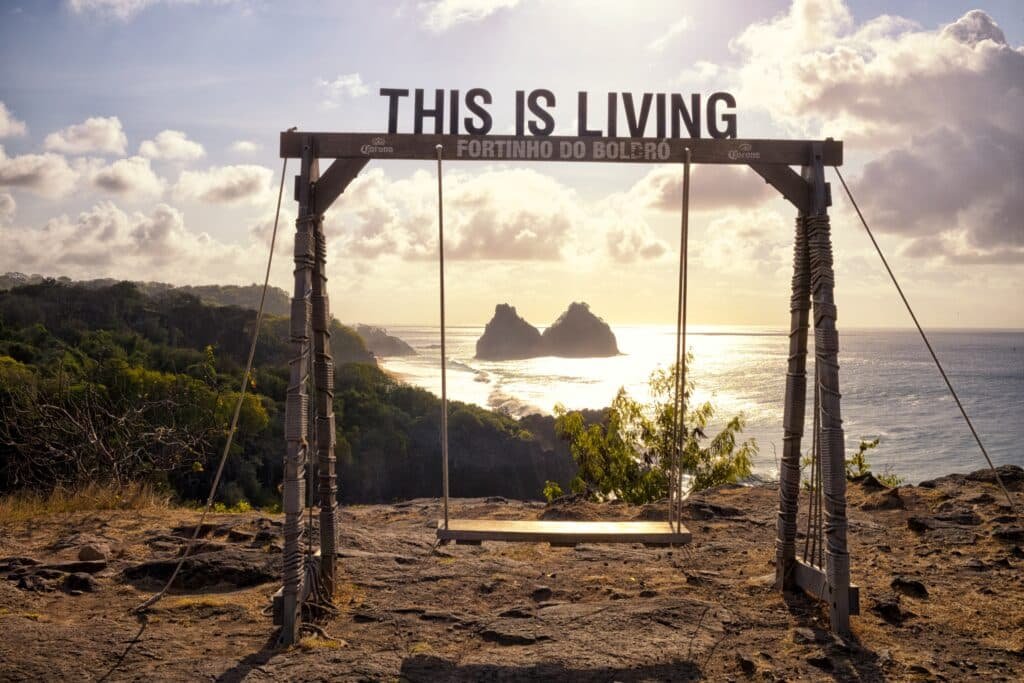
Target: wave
x=509 y=405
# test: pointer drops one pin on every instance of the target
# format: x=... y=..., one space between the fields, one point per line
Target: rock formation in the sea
x=578 y=333
x=508 y=337
x=381 y=343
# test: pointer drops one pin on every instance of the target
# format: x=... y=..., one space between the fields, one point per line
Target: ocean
x=890 y=386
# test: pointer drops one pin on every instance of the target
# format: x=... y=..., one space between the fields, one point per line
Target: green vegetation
x=627 y=454
x=106 y=386
x=857 y=465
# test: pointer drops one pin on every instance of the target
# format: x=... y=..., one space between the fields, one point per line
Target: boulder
x=80 y=582
x=508 y=337
x=578 y=333
x=233 y=566
x=381 y=343
x=94 y=551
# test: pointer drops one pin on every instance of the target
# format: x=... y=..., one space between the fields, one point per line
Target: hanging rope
x=238 y=409
x=675 y=491
x=924 y=337
x=814 y=539
x=444 y=357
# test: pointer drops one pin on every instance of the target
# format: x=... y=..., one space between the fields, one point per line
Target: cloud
x=121 y=9
x=8 y=207
x=245 y=146
x=171 y=145
x=497 y=215
x=108 y=241
x=96 y=134
x=942 y=109
x=47 y=175
x=126 y=9
x=348 y=86
x=712 y=187
x=738 y=241
x=131 y=176
x=225 y=184
x=10 y=126
x=441 y=15
x=673 y=31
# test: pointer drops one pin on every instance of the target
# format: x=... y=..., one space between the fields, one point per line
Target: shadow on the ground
x=846 y=659
x=429 y=668
x=242 y=669
x=143 y=622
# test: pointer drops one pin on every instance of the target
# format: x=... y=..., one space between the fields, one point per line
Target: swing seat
x=560 y=532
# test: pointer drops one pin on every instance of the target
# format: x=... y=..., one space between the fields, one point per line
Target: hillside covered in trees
x=109 y=383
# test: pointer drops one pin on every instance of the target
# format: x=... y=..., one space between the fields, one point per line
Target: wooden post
x=793 y=415
x=323 y=373
x=830 y=423
x=297 y=401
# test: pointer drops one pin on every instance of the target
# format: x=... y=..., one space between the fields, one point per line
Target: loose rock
x=94 y=551
x=908 y=586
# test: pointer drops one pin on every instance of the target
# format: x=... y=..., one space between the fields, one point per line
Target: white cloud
x=122 y=9
x=712 y=187
x=225 y=184
x=344 y=86
x=172 y=145
x=96 y=134
x=941 y=107
x=756 y=241
x=108 y=241
x=701 y=73
x=132 y=176
x=126 y=9
x=496 y=215
x=8 y=207
x=48 y=175
x=245 y=146
x=673 y=31
x=441 y=15
x=10 y=126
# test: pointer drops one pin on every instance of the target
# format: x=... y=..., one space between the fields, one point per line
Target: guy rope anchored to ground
x=234 y=418
x=924 y=337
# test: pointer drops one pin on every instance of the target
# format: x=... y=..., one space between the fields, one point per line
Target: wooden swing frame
x=771 y=159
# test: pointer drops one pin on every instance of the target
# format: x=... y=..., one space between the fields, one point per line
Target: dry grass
x=310 y=643
x=22 y=506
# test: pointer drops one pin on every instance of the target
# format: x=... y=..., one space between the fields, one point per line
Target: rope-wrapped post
x=323 y=374
x=831 y=440
x=793 y=411
x=296 y=414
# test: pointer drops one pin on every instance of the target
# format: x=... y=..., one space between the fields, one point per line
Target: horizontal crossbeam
x=559 y=148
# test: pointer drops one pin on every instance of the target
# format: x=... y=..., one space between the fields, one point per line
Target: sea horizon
x=891 y=388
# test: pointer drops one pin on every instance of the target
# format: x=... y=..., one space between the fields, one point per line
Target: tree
x=628 y=455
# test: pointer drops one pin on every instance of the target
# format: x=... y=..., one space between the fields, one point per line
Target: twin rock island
x=577 y=333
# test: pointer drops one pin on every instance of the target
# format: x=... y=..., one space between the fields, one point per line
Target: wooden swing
x=561 y=532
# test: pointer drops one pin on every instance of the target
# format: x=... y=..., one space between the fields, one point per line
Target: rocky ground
x=939 y=567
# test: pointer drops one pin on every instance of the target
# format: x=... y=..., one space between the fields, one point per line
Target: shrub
x=629 y=454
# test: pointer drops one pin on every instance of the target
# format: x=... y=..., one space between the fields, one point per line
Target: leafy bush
x=628 y=455
x=857 y=465
x=552 y=490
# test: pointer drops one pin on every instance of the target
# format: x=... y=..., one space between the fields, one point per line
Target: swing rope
x=924 y=337
x=675 y=490
x=444 y=357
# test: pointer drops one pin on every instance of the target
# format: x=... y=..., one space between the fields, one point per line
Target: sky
x=138 y=140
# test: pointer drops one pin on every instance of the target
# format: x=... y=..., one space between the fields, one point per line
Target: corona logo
x=744 y=152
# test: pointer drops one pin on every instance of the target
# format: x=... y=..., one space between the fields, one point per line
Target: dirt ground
x=939 y=570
